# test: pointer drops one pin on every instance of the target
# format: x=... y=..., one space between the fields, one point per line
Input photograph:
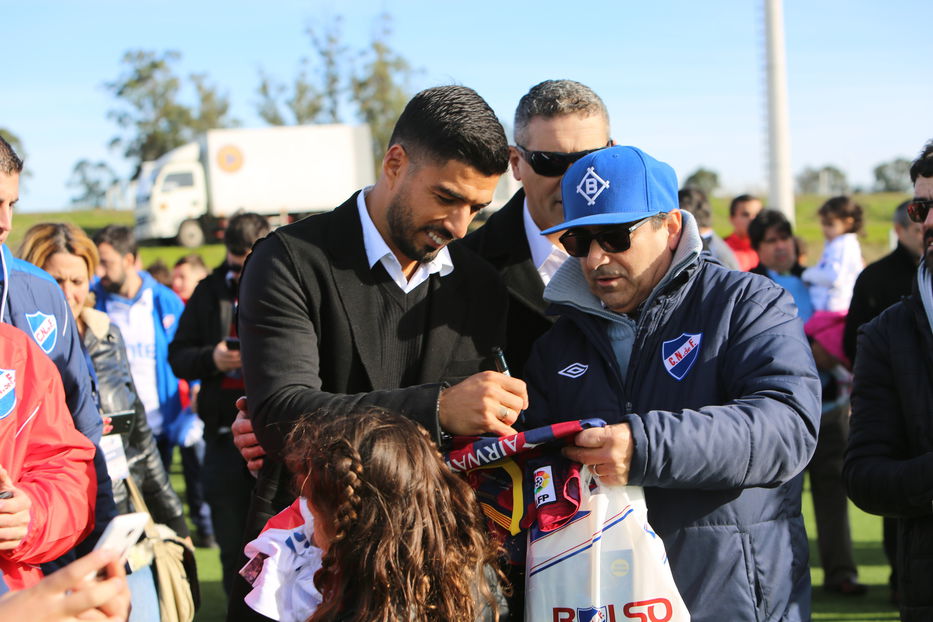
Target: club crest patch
x=44 y=329
x=592 y=614
x=679 y=355
x=7 y=392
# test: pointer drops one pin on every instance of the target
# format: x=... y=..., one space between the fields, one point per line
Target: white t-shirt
x=831 y=281
x=378 y=251
x=135 y=320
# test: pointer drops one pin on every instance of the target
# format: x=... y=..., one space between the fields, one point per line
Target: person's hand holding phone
x=226 y=359
x=14 y=513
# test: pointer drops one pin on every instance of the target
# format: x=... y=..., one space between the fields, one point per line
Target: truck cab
x=172 y=197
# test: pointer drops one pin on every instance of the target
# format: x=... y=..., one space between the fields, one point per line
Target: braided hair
x=407 y=540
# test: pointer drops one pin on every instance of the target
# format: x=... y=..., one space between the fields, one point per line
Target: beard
x=113 y=287
x=402 y=230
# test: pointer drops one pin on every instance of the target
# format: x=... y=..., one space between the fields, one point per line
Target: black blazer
x=308 y=304
x=502 y=242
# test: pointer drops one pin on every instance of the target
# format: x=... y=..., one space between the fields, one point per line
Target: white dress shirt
x=546 y=257
x=378 y=251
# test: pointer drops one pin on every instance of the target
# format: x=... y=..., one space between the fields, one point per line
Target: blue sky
x=683 y=80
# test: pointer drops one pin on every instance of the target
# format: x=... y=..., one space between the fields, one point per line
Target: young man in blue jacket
x=703 y=373
x=147 y=314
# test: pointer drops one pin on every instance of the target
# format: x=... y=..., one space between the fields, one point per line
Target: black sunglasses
x=918 y=209
x=617 y=239
x=553 y=163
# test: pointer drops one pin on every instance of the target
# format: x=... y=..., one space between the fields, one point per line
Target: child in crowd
x=382 y=530
x=832 y=279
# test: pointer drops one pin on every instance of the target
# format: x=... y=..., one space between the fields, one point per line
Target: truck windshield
x=174 y=181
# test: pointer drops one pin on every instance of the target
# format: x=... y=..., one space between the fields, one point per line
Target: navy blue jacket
x=723 y=399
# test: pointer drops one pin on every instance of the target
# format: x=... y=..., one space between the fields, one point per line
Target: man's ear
x=394 y=163
x=675 y=225
x=514 y=157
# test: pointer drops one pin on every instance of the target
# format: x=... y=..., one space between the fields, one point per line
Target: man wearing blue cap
x=705 y=377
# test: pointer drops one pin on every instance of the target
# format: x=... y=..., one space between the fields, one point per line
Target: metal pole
x=781 y=185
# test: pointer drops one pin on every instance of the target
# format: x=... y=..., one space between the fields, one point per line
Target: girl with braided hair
x=400 y=536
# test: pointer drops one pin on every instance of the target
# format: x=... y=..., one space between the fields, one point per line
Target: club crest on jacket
x=679 y=355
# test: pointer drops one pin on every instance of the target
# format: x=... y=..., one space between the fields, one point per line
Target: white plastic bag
x=605 y=564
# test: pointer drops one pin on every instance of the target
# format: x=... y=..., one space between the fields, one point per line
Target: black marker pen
x=501 y=366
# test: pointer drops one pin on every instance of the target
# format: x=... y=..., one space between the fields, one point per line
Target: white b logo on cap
x=591 y=186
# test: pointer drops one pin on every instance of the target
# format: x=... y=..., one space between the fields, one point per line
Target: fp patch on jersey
x=44 y=329
x=679 y=355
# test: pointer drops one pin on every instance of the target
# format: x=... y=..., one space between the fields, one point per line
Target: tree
x=92 y=179
x=381 y=86
x=309 y=99
x=150 y=112
x=704 y=179
x=375 y=79
x=893 y=176
x=827 y=180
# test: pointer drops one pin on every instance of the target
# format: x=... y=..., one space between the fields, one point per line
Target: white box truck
x=281 y=172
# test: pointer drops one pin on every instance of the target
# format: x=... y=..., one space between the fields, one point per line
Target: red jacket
x=45 y=457
x=743 y=251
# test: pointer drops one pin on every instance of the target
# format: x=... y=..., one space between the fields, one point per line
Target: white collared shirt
x=546 y=256
x=378 y=251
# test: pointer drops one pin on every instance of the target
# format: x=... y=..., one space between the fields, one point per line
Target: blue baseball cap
x=614 y=186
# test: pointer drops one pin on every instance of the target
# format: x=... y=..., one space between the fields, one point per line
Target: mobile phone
x=122 y=533
x=233 y=343
x=122 y=421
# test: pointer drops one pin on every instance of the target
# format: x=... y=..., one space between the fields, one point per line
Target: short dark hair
x=557 y=98
x=694 y=200
x=901 y=217
x=767 y=219
x=191 y=259
x=10 y=163
x=923 y=165
x=452 y=123
x=742 y=198
x=160 y=272
x=243 y=230
x=120 y=238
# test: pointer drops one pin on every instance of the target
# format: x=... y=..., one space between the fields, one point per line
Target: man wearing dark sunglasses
x=556 y=123
x=706 y=380
x=887 y=468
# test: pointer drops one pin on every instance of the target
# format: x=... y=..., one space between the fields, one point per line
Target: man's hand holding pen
x=485 y=403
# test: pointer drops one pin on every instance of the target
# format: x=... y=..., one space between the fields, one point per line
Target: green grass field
x=878 y=210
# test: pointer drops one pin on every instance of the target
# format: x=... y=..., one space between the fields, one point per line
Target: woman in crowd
x=70 y=257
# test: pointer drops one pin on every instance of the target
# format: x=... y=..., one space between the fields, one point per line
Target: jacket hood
x=568 y=287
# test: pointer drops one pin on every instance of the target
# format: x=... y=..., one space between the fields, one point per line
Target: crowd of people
x=312 y=381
